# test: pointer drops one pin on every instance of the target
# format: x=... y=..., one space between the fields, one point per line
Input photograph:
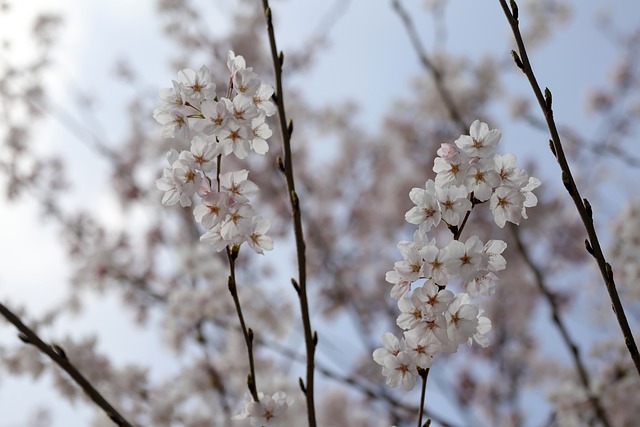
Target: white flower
x=462 y=319
x=530 y=199
x=258 y=239
x=453 y=203
x=235 y=138
x=422 y=349
x=481 y=142
x=482 y=179
x=400 y=370
x=464 y=259
x=507 y=204
x=433 y=267
x=493 y=250
x=235 y=63
x=202 y=153
x=411 y=311
x=426 y=212
x=212 y=209
x=482 y=285
x=261 y=132
x=267 y=412
x=174 y=123
x=451 y=170
x=215 y=115
x=505 y=166
x=434 y=298
x=391 y=348
x=197 y=86
x=238 y=186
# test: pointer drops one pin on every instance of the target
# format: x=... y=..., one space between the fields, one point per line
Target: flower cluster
x=267 y=412
x=215 y=127
x=433 y=318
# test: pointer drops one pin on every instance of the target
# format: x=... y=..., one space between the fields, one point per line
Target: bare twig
x=57 y=354
x=247 y=333
x=286 y=165
x=584 y=208
x=429 y=65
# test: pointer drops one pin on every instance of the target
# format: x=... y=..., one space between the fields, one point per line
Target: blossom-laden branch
x=193 y=115
x=57 y=354
x=542 y=286
x=286 y=166
x=434 y=319
x=583 y=206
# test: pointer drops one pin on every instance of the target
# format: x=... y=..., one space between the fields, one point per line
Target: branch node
x=609 y=270
x=588 y=246
x=566 y=180
x=295 y=285
x=514 y=10
x=295 y=202
x=517 y=60
x=281 y=58
x=302 y=386
x=315 y=338
x=267 y=14
x=24 y=338
x=553 y=149
x=587 y=207
x=59 y=351
x=548 y=99
x=280 y=163
x=250 y=334
x=290 y=127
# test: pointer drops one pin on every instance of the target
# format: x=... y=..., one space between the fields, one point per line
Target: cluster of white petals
x=434 y=319
x=267 y=412
x=214 y=127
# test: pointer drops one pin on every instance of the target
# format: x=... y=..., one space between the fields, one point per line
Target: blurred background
x=94 y=262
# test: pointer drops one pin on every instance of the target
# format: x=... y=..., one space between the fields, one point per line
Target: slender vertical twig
x=424 y=373
x=584 y=208
x=57 y=354
x=247 y=333
x=286 y=165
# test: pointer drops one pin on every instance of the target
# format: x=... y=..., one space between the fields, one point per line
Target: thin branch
x=564 y=332
x=57 y=354
x=286 y=165
x=424 y=374
x=247 y=333
x=429 y=65
x=584 y=208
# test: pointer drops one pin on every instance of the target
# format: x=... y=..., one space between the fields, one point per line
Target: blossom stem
x=311 y=337
x=583 y=207
x=424 y=373
x=60 y=358
x=232 y=254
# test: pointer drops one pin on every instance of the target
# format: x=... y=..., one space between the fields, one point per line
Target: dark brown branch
x=247 y=333
x=58 y=355
x=582 y=205
x=311 y=337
